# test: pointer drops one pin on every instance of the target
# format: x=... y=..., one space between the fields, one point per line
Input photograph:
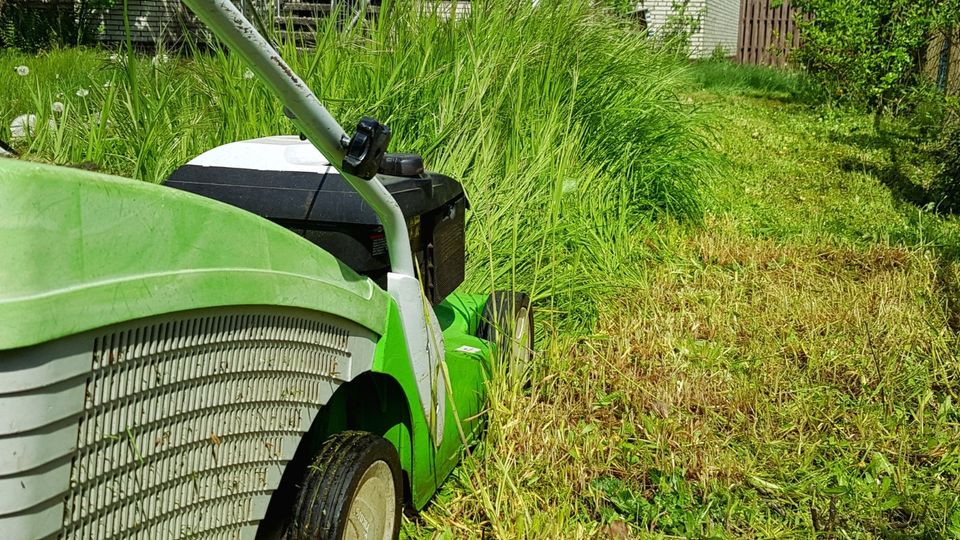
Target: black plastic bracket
x=365 y=150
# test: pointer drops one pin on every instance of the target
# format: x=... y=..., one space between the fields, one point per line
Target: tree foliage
x=871 y=51
x=29 y=25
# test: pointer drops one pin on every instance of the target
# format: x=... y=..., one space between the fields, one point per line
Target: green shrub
x=31 y=26
x=870 y=52
x=680 y=27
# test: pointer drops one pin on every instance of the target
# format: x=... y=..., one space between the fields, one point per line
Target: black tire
x=507 y=320
x=325 y=507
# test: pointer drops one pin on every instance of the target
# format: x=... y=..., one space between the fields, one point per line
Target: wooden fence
x=941 y=62
x=767 y=35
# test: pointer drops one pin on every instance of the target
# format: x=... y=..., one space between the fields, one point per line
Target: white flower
x=22 y=125
x=248 y=74
x=159 y=59
x=22 y=71
x=82 y=92
x=57 y=107
x=114 y=57
x=108 y=84
x=25 y=125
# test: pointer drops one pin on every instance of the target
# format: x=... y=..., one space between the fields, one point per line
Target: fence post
x=943 y=72
x=764 y=31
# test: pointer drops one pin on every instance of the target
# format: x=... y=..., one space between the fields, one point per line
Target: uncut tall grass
x=563 y=122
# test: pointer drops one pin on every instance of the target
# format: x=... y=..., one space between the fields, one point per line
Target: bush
x=31 y=26
x=869 y=53
x=680 y=27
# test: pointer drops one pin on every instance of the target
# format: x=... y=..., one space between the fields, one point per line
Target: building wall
x=719 y=28
x=164 y=21
x=151 y=21
x=719 y=23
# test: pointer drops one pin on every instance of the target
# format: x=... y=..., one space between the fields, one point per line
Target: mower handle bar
x=310 y=116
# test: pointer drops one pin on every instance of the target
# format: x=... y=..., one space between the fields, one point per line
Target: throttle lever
x=365 y=150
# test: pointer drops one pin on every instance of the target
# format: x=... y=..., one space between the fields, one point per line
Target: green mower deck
x=175 y=366
x=170 y=362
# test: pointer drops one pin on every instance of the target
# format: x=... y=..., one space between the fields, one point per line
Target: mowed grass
x=753 y=389
x=789 y=369
x=767 y=352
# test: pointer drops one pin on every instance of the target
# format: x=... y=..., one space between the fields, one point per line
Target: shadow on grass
x=902 y=148
x=895 y=179
x=918 y=200
x=868 y=139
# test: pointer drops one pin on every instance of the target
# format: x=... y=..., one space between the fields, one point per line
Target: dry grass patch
x=750 y=388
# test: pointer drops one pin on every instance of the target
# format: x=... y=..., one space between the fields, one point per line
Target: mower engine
x=288 y=181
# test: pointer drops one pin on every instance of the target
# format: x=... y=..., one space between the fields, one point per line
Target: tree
x=31 y=25
x=871 y=51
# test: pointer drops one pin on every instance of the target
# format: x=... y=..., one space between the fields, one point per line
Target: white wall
x=719 y=23
x=720 y=26
x=148 y=18
x=151 y=21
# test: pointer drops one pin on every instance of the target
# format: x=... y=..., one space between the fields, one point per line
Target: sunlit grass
x=787 y=370
x=726 y=77
x=783 y=364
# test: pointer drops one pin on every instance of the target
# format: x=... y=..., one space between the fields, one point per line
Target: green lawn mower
x=269 y=346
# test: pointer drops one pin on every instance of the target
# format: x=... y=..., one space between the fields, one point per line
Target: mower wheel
x=507 y=320
x=351 y=490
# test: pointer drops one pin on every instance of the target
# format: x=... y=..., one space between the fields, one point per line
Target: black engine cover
x=323 y=208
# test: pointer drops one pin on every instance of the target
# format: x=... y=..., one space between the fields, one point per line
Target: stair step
x=302 y=38
x=305 y=7
x=315 y=8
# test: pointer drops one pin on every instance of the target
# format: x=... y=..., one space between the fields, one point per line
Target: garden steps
x=298 y=20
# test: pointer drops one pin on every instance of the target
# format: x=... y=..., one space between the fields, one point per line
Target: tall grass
x=725 y=77
x=564 y=125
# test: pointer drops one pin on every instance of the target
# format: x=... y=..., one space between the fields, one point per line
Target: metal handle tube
x=313 y=119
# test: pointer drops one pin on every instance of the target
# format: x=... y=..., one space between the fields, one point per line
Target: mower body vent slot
x=183 y=424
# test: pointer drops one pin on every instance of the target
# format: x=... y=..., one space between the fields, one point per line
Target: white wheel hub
x=521 y=337
x=372 y=511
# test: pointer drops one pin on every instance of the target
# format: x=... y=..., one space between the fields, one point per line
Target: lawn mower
x=271 y=345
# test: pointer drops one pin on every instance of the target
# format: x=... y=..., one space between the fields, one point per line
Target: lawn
x=787 y=369
x=748 y=306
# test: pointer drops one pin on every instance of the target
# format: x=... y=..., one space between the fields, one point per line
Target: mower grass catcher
x=269 y=346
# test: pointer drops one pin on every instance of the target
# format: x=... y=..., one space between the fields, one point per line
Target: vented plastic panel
x=182 y=426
